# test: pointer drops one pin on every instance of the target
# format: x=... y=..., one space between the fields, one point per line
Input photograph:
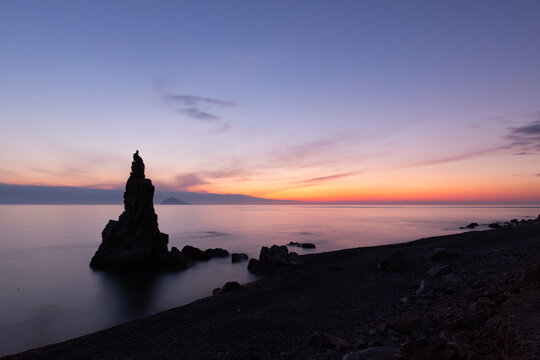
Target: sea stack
x=134 y=240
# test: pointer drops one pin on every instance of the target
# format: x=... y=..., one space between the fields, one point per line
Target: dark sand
x=482 y=310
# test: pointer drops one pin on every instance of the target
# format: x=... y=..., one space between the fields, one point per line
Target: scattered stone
x=532 y=276
x=360 y=342
x=421 y=287
x=374 y=353
x=409 y=348
x=393 y=262
x=440 y=253
x=238 y=257
x=134 y=240
x=216 y=291
x=231 y=286
x=195 y=253
x=412 y=322
x=452 y=278
x=328 y=341
x=439 y=270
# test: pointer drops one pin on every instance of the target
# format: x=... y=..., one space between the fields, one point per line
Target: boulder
x=195 y=253
x=231 y=286
x=393 y=262
x=471 y=225
x=237 y=257
x=134 y=240
x=440 y=254
x=272 y=259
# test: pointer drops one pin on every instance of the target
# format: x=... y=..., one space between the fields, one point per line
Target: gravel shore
x=474 y=295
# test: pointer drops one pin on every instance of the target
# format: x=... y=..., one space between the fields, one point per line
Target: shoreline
x=343 y=293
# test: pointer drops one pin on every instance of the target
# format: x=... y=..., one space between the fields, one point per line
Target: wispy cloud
x=196 y=107
x=458 y=157
x=198 y=114
x=330 y=177
x=187 y=182
x=195 y=181
x=526 y=137
x=192 y=100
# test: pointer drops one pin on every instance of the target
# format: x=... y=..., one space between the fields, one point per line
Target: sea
x=50 y=294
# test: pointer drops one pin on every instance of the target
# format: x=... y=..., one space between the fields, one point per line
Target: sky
x=307 y=100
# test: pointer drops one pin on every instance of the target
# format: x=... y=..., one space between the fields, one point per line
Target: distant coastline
x=66 y=195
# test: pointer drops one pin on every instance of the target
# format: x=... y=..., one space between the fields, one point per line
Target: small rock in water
x=302 y=245
x=237 y=257
x=217 y=252
x=471 y=225
x=195 y=253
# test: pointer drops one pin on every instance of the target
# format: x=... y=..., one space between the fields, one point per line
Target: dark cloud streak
x=526 y=137
x=198 y=114
x=191 y=100
x=330 y=177
x=196 y=107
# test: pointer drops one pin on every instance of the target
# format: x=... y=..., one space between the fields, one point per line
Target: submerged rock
x=134 y=240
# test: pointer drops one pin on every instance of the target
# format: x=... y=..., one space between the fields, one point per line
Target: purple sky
x=281 y=99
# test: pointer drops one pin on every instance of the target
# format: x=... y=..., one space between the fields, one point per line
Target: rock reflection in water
x=130 y=295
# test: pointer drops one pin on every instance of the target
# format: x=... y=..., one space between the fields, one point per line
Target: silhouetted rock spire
x=134 y=241
x=137 y=167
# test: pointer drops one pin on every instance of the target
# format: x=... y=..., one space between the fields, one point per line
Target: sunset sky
x=308 y=100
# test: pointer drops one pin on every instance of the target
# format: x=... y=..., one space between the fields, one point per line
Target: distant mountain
x=30 y=194
x=173 y=201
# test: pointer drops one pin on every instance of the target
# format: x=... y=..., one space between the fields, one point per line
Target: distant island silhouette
x=173 y=201
x=38 y=194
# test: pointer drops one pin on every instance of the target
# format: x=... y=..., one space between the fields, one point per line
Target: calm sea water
x=50 y=294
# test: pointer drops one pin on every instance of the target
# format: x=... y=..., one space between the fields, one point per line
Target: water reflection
x=129 y=295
